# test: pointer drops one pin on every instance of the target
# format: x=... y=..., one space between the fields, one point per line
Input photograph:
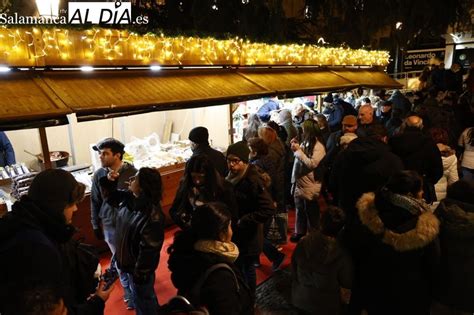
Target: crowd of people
x=382 y=187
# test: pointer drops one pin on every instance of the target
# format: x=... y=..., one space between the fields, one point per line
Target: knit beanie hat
x=328 y=98
x=199 y=135
x=239 y=149
x=52 y=190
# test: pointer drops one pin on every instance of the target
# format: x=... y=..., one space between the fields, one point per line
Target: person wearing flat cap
x=103 y=215
x=199 y=137
x=37 y=251
x=255 y=206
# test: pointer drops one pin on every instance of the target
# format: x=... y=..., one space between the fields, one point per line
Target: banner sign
x=417 y=59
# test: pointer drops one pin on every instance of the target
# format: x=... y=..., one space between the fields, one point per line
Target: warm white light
x=87 y=68
x=399 y=25
x=5 y=69
x=48 y=8
x=155 y=68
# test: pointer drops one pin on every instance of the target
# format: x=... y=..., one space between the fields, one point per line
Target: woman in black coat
x=455 y=281
x=201 y=183
x=206 y=244
x=140 y=233
x=33 y=237
x=400 y=250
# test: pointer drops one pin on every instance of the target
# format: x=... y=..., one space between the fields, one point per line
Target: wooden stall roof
x=24 y=97
x=368 y=78
x=297 y=81
x=28 y=98
x=119 y=91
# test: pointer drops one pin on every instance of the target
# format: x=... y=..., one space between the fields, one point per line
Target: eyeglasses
x=233 y=161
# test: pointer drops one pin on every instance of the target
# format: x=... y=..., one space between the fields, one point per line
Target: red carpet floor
x=164 y=288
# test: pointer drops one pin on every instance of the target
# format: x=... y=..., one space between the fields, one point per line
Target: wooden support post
x=45 y=148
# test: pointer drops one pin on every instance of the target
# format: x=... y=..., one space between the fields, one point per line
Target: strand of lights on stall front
x=98 y=45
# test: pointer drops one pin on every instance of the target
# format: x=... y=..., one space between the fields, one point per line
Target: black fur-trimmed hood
x=425 y=231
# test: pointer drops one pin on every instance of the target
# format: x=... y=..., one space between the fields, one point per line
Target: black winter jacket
x=217 y=158
x=455 y=280
x=139 y=231
x=219 y=293
x=31 y=242
x=365 y=165
x=255 y=206
x=419 y=153
x=320 y=267
x=398 y=263
x=181 y=210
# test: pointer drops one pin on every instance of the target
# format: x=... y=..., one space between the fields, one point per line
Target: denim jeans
x=146 y=302
x=109 y=237
x=307 y=213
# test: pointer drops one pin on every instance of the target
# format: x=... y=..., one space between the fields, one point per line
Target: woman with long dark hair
x=207 y=244
x=306 y=187
x=201 y=183
x=466 y=142
x=140 y=233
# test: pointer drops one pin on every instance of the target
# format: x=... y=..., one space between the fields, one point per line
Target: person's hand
x=295 y=147
x=104 y=294
x=113 y=175
x=99 y=234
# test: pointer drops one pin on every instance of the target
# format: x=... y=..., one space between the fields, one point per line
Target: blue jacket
x=7 y=155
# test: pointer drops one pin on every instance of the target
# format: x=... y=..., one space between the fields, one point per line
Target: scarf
x=229 y=251
x=234 y=179
x=413 y=205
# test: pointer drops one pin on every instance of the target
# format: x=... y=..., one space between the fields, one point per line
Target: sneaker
x=295 y=238
x=277 y=263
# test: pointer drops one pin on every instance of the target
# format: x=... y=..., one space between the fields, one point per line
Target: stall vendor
x=7 y=155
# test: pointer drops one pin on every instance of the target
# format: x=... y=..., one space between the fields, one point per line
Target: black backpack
x=192 y=304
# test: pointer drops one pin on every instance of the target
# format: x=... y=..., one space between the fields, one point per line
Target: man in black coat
x=364 y=166
x=255 y=206
x=199 y=137
x=419 y=153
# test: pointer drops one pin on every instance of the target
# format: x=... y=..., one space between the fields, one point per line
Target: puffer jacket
x=455 y=280
x=302 y=177
x=450 y=171
x=320 y=268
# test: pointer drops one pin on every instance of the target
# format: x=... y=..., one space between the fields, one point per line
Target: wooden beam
x=45 y=148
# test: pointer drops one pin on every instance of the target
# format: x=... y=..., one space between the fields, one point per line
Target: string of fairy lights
x=52 y=46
